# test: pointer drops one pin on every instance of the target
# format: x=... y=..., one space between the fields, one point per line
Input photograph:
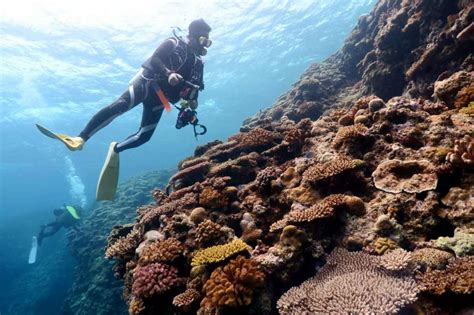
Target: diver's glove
x=174 y=79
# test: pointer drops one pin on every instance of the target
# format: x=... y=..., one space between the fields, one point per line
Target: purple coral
x=153 y=279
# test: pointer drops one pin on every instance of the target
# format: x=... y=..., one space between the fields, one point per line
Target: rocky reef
x=94 y=280
x=352 y=194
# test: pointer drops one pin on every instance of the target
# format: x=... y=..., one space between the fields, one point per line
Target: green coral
x=462 y=243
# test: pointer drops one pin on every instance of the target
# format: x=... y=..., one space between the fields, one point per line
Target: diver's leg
x=129 y=99
x=152 y=111
x=47 y=231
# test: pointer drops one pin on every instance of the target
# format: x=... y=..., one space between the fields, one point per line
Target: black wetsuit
x=63 y=219
x=174 y=55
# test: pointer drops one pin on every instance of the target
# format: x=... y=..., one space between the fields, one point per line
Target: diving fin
x=108 y=179
x=33 y=251
x=72 y=143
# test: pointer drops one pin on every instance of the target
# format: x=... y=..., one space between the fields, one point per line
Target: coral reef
x=153 y=279
x=370 y=151
x=351 y=283
x=218 y=253
x=232 y=285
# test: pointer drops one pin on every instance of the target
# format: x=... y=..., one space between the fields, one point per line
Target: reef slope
x=352 y=193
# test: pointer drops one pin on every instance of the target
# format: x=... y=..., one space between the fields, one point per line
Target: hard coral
x=191 y=174
x=209 y=233
x=395 y=176
x=161 y=251
x=458 y=278
x=332 y=168
x=431 y=258
x=257 y=139
x=461 y=243
x=348 y=133
x=212 y=198
x=350 y=283
x=218 y=253
x=153 y=279
x=463 y=152
x=465 y=96
x=186 y=298
x=232 y=285
x=125 y=245
x=188 y=201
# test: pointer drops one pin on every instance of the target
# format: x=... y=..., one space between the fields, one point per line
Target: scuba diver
x=67 y=217
x=173 y=72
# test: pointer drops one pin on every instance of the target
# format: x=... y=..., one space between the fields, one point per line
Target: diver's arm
x=161 y=53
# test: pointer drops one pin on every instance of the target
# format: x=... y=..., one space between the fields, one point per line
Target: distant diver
x=172 y=73
x=67 y=217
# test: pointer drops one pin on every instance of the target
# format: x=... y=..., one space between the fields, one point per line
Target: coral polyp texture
x=369 y=152
x=232 y=285
x=396 y=176
x=350 y=283
x=218 y=253
x=153 y=279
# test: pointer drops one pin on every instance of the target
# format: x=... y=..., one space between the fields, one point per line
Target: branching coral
x=463 y=152
x=263 y=181
x=188 y=201
x=332 y=168
x=153 y=279
x=348 y=133
x=211 y=198
x=458 y=277
x=209 y=233
x=161 y=251
x=125 y=245
x=136 y=306
x=186 y=298
x=256 y=139
x=218 y=253
x=395 y=260
x=395 y=176
x=350 y=283
x=232 y=285
x=323 y=209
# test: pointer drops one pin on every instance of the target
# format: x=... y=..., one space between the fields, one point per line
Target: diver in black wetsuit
x=174 y=62
x=173 y=72
x=67 y=217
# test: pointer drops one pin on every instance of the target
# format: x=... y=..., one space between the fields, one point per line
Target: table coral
x=218 y=253
x=232 y=285
x=350 y=283
x=413 y=176
x=329 y=169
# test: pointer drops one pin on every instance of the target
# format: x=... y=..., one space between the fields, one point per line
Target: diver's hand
x=175 y=79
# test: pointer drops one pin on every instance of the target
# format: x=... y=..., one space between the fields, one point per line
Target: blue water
x=60 y=63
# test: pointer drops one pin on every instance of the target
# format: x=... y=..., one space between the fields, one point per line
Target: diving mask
x=204 y=41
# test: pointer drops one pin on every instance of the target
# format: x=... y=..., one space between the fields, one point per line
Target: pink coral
x=153 y=279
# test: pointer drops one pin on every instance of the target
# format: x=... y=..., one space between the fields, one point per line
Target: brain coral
x=233 y=284
x=218 y=253
x=153 y=279
x=350 y=283
x=414 y=176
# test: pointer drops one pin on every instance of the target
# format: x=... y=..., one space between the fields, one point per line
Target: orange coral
x=255 y=139
x=465 y=96
x=345 y=134
x=211 y=198
x=136 y=306
x=332 y=168
x=209 y=233
x=232 y=285
x=161 y=251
